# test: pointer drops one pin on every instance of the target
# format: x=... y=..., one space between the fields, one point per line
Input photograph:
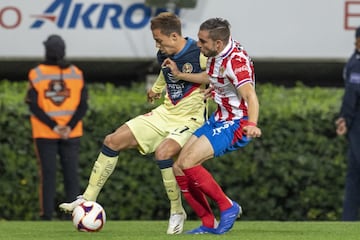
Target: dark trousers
x=351 y=204
x=47 y=152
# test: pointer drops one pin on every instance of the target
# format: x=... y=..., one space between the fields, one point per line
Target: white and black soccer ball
x=89 y=216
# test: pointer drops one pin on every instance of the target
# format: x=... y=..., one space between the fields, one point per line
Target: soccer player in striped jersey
x=165 y=129
x=230 y=73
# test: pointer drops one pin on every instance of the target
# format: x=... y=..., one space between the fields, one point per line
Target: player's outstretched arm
x=190 y=77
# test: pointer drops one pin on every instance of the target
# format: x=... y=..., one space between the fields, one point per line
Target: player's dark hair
x=218 y=28
x=167 y=22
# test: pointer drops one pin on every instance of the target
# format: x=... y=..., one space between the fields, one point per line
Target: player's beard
x=210 y=53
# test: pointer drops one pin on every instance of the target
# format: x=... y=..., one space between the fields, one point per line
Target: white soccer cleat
x=176 y=223
x=69 y=207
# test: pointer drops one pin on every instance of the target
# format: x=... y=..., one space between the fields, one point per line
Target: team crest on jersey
x=187 y=68
x=57 y=92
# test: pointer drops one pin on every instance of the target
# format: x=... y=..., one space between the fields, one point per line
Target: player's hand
x=208 y=92
x=341 y=128
x=152 y=96
x=252 y=131
x=168 y=63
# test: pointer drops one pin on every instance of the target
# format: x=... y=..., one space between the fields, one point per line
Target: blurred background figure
x=348 y=124
x=57 y=99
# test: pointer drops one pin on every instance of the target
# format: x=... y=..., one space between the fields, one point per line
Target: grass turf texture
x=139 y=230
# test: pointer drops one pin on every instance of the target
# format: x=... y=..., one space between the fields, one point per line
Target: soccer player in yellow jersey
x=166 y=128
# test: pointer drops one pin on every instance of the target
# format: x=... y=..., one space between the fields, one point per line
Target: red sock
x=201 y=178
x=197 y=201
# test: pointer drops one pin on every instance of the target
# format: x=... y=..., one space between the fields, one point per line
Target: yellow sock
x=101 y=171
x=172 y=190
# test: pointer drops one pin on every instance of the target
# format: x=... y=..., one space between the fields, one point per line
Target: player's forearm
x=253 y=109
x=159 y=84
x=156 y=88
x=250 y=97
x=194 y=77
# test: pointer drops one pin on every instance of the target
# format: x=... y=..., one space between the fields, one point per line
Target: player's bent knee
x=108 y=140
x=121 y=139
x=163 y=154
x=178 y=165
x=111 y=142
x=184 y=164
x=177 y=170
x=167 y=149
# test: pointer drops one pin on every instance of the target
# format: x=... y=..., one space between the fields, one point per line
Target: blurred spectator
x=57 y=99
x=349 y=123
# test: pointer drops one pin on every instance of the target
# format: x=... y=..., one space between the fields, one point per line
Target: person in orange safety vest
x=57 y=99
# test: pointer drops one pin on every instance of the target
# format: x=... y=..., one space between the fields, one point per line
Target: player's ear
x=174 y=36
x=219 y=44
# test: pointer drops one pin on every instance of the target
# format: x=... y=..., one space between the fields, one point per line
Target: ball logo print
x=89 y=217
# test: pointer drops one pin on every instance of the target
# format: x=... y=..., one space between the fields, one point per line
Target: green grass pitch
x=139 y=230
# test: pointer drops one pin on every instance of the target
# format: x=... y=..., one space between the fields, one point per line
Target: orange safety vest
x=59 y=94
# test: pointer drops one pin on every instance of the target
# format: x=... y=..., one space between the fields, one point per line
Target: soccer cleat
x=202 y=230
x=69 y=207
x=176 y=223
x=228 y=218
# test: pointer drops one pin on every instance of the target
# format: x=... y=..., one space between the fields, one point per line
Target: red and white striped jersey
x=228 y=71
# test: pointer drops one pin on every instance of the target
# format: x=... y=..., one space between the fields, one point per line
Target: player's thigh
x=121 y=139
x=179 y=132
x=182 y=129
x=195 y=152
x=148 y=131
x=167 y=149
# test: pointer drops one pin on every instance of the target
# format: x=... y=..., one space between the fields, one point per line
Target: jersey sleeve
x=241 y=71
x=159 y=84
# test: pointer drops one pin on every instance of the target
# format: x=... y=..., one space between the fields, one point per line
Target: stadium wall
x=111 y=40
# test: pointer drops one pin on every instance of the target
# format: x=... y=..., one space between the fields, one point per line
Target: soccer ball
x=89 y=216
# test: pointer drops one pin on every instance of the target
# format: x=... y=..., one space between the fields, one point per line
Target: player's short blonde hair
x=167 y=22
